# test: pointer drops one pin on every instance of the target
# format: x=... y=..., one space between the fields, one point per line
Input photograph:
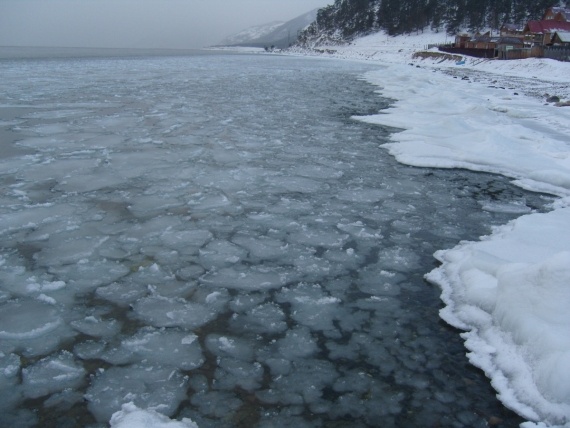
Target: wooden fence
x=534 y=52
x=439 y=45
x=478 y=53
x=560 y=53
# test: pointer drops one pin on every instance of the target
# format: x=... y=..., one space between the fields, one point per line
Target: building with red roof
x=541 y=32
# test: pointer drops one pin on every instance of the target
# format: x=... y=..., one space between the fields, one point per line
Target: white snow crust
x=130 y=416
x=511 y=290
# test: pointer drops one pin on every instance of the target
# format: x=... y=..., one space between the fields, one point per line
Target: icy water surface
x=213 y=237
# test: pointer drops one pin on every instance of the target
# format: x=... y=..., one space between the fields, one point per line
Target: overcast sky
x=138 y=23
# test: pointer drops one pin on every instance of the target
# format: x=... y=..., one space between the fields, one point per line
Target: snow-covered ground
x=130 y=416
x=510 y=291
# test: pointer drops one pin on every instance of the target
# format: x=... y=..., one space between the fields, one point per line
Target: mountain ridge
x=277 y=34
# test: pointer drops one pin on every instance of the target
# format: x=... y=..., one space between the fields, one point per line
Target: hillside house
x=482 y=41
x=548 y=38
x=561 y=38
x=505 y=46
x=561 y=14
x=541 y=32
x=512 y=30
x=461 y=40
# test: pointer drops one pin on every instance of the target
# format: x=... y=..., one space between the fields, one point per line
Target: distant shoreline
x=49 y=52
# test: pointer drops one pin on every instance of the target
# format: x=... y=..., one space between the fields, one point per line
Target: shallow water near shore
x=214 y=237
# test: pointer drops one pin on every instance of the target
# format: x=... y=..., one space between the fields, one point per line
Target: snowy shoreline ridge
x=510 y=291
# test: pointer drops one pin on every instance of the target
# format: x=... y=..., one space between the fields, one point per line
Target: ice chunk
x=86 y=276
x=179 y=239
x=262 y=247
x=232 y=373
x=52 y=374
x=32 y=326
x=295 y=184
x=370 y=281
x=297 y=343
x=353 y=381
x=318 y=238
x=246 y=278
x=130 y=416
x=216 y=403
x=385 y=404
x=267 y=318
x=165 y=347
x=66 y=250
x=219 y=254
x=190 y=272
x=359 y=230
x=225 y=346
x=317 y=171
x=245 y=302
x=312 y=306
x=399 y=259
x=303 y=385
x=172 y=312
x=9 y=380
x=278 y=366
x=122 y=294
x=218 y=202
x=312 y=267
x=505 y=207
x=154 y=388
x=97 y=327
x=36 y=216
x=64 y=400
x=366 y=195
x=89 y=350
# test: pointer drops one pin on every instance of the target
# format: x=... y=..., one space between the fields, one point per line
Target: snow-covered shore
x=510 y=291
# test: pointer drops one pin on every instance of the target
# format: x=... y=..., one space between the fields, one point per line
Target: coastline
x=508 y=291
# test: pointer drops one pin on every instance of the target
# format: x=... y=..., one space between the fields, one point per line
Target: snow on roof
x=513 y=27
x=564 y=36
x=510 y=41
x=564 y=11
x=548 y=26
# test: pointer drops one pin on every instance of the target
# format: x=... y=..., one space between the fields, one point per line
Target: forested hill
x=346 y=19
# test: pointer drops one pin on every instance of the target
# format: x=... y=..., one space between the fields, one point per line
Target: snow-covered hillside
x=252 y=33
x=278 y=34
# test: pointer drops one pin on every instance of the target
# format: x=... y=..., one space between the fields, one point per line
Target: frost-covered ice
x=214 y=238
x=130 y=416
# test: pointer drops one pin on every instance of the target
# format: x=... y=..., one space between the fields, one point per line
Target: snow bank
x=511 y=290
x=385 y=49
x=450 y=123
x=130 y=416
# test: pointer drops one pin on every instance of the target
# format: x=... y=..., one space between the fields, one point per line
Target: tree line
x=346 y=19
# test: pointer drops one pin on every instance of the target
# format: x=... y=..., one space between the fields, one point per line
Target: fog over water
x=179 y=24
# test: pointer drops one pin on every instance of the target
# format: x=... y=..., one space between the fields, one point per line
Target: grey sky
x=138 y=23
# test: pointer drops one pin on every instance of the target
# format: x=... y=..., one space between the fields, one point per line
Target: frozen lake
x=212 y=236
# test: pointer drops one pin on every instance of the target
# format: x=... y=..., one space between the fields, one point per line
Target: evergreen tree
x=352 y=18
